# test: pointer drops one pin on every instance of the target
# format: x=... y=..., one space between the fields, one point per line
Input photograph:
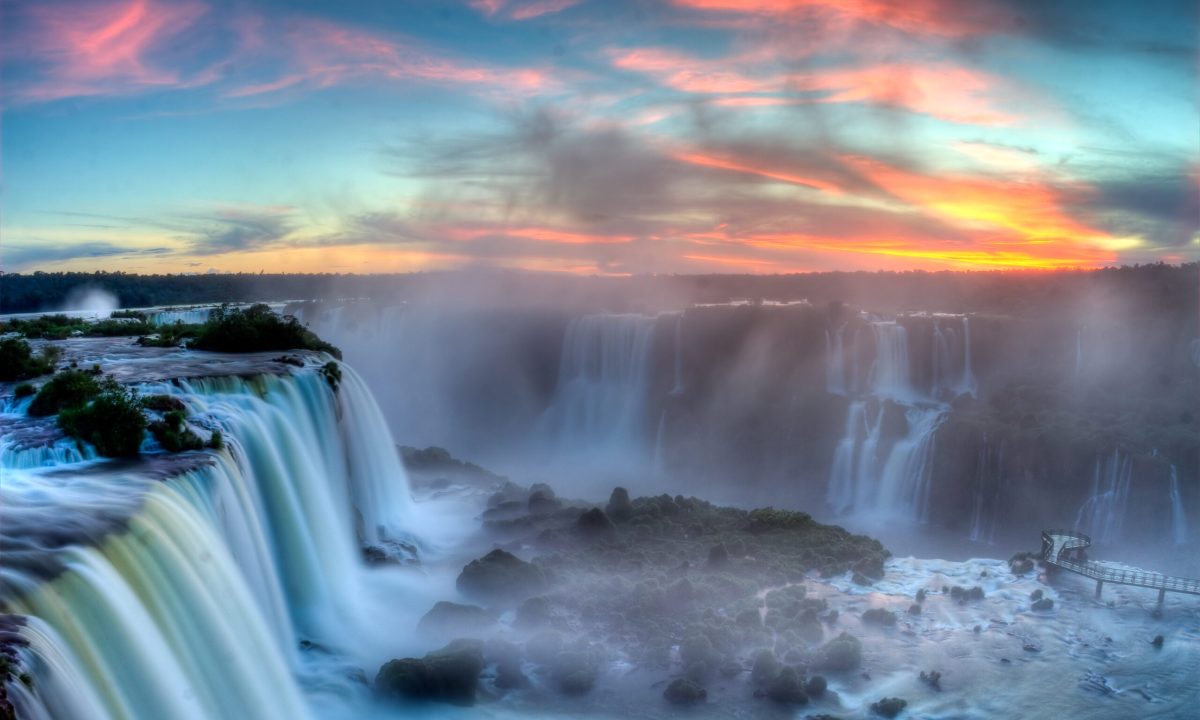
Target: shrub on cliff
x=113 y=421
x=254 y=329
x=69 y=388
x=17 y=361
x=841 y=654
x=173 y=434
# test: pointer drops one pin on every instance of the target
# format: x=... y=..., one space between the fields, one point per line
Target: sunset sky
x=597 y=136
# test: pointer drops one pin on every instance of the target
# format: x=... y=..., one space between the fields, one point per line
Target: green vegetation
x=333 y=374
x=17 y=361
x=67 y=389
x=57 y=327
x=254 y=329
x=24 y=390
x=113 y=421
x=170 y=336
x=173 y=433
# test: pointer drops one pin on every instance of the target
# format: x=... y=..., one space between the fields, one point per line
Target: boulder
x=889 y=707
x=683 y=691
x=595 y=525
x=788 y=687
x=619 y=508
x=841 y=654
x=879 y=616
x=534 y=613
x=448 y=675
x=500 y=576
x=447 y=618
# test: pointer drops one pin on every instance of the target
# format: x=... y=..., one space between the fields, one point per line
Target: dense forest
x=1173 y=288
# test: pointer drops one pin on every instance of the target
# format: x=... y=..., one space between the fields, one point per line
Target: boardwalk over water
x=1065 y=549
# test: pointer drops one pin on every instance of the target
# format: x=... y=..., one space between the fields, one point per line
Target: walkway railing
x=1057 y=545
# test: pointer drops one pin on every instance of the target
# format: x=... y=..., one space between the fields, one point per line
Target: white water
x=1179 y=528
x=600 y=405
x=187 y=598
x=890 y=376
x=677 y=387
x=835 y=361
x=1102 y=515
x=190 y=316
x=987 y=493
x=968 y=386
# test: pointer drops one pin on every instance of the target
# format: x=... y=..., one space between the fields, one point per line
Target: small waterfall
x=863 y=481
x=835 y=361
x=1179 y=529
x=840 y=494
x=677 y=387
x=941 y=361
x=190 y=316
x=890 y=376
x=600 y=405
x=1102 y=515
x=904 y=482
x=985 y=498
x=968 y=385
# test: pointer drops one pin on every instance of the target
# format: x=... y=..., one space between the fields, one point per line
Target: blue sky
x=597 y=137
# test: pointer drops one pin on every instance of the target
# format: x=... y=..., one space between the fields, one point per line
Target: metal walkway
x=1064 y=549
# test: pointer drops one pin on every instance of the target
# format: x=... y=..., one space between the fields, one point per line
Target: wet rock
x=766 y=667
x=500 y=575
x=788 y=687
x=683 y=691
x=452 y=618
x=533 y=613
x=816 y=686
x=871 y=567
x=619 y=508
x=841 y=654
x=889 y=707
x=544 y=647
x=541 y=500
x=575 y=672
x=879 y=616
x=1043 y=604
x=595 y=525
x=1157 y=641
x=914 y=609
x=718 y=556
x=448 y=675
x=1036 y=594
x=921 y=595
x=507 y=658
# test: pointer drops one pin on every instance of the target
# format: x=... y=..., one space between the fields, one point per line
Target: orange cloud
x=944 y=18
x=1033 y=211
x=712 y=161
x=105 y=48
x=689 y=74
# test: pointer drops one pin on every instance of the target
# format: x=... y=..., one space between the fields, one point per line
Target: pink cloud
x=943 y=18
x=318 y=54
x=105 y=48
x=522 y=10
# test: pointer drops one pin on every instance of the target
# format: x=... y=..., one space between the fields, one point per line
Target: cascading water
x=968 y=386
x=186 y=597
x=835 y=361
x=600 y=404
x=170 y=317
x=1179 y=529
x=677 y=386
x=890 y=376
x=986 y=496
x=1102 y=515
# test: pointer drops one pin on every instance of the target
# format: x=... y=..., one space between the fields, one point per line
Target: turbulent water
x=182 y=590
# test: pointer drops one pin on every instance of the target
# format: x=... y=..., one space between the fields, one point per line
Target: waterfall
x=600 y=404
x=1179 y=529
x=941 y=360
x=841 y=492
x=890 y=376
x=896 y=484
x=968 y=385
x=1102 y=515
x=985 y=498
x=179 y=586
x=190 y=316
x=835 y=361
x=677 y=386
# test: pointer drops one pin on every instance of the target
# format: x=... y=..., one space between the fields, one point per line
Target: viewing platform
x=1065 y=549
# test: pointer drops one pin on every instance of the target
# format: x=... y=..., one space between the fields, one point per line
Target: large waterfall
x=1179 y=529
x=182 y=585
x=600 y=406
